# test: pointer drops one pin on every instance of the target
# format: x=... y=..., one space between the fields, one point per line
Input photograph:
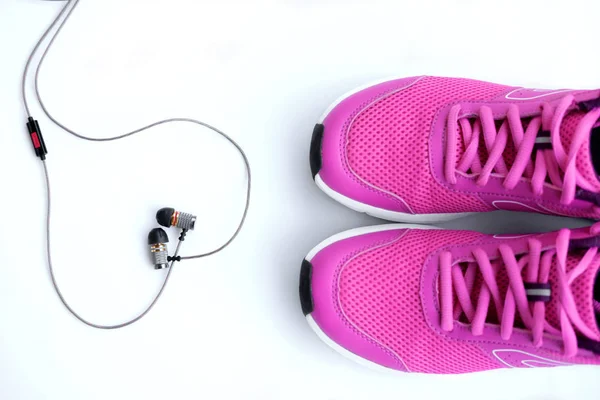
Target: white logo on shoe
x=521 y=359
x=508 y=236
x=544 y=92
x=510 y=205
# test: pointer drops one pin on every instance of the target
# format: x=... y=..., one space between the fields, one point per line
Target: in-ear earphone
x=157 y=238
x=169 y=217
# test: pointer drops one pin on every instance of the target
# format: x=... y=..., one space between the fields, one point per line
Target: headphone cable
x=65 y=14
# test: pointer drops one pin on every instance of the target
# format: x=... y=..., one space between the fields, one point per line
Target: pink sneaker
x=421 y=299
x=426 y=149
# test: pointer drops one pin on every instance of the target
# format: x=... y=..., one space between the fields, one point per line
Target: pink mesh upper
x=387 y=144
x=379 y=291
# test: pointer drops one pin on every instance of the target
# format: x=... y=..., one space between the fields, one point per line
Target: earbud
x=158 y=239
x=169 y=217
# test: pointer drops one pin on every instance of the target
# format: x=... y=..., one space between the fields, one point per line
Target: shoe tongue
x=585 y=289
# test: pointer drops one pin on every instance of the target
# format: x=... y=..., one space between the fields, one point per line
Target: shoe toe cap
x=319 y=292
x=329 y=157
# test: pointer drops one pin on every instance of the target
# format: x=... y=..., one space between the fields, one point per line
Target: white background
x=230 y=326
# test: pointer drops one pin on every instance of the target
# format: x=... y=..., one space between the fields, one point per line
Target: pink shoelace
x=537 y=262
x=548 y=162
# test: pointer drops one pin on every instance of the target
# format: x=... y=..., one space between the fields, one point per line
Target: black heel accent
x=315 y=149
x=306 y=300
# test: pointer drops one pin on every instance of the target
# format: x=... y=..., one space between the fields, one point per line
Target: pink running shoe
x=421 y=299
x=426 y=149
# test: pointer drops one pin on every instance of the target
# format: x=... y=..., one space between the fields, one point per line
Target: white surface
x=348 y=354
x=354 y=91
x=230 y=326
